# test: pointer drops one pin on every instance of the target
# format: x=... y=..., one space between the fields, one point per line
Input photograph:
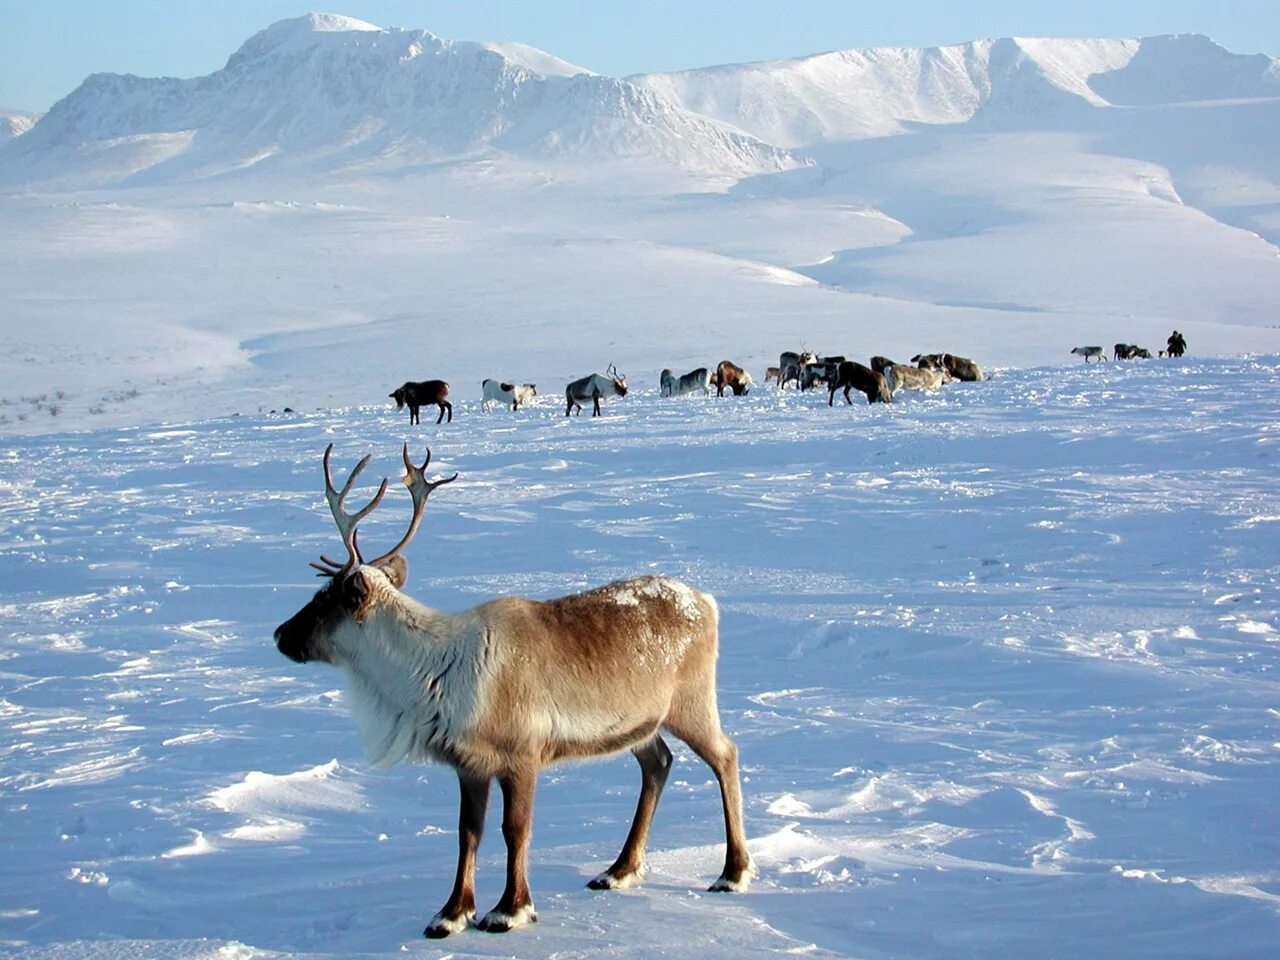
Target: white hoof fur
x=442 y=926
x=608 y=881
x=724 y=885
x=496 y=921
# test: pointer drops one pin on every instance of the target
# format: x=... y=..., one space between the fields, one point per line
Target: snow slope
x=1001 y=664
x=853 y=94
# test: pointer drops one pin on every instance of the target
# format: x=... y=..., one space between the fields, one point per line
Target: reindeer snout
x=291 y=647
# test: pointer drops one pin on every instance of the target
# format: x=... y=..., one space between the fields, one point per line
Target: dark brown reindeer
x=420 y=393
x=851 y=375
x=511 y=686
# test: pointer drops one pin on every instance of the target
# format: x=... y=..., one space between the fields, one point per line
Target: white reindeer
x=508 y=394
x=510 y=686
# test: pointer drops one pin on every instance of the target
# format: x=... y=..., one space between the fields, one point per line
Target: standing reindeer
x=608 y=384
x=510 y=686
x=420 y=393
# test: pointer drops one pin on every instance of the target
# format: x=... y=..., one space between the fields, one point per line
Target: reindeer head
x=356 y=588
x=619 y=381
x=398 y=396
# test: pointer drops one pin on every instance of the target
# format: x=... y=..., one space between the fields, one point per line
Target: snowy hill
x=852 y=94
x=14 y=123
x=323 y=90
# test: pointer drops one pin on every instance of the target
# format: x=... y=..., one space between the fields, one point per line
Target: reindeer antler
x=419 y=488
x=346 y=522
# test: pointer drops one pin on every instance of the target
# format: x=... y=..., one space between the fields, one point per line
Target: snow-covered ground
x=1001 y=664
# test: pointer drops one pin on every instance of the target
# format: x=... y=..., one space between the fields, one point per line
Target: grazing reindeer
x=957 y=368
x=510 y=686
x=513 y=394
x=898 y=376
x=692 y=382
x=608 y=384
x=419 y=394
x=729 y=374
x=854 y=376
x=1095 y=351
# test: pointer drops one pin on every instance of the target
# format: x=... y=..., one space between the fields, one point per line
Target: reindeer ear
x=355 y=588
x=396 y=570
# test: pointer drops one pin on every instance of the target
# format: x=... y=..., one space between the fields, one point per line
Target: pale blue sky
x=47 y=48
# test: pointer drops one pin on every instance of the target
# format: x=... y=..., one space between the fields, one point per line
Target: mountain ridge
x=331 y=89
x=882 y=91
x=323 y=91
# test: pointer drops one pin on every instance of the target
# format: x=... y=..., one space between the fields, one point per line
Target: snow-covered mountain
x=14 y=123
x=334 y=90
x=851 y=94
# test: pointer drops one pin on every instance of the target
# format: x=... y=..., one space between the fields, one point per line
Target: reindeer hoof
x=442 y=926
x=499 y=921
x=610 y=881
x=736 y=883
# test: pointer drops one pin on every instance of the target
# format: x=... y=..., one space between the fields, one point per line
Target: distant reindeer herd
x=878 y=382
x=1175 y=346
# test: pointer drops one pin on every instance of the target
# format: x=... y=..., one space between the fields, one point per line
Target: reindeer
x=791 y=366
x=608 y=384
x=1095 y=351
x=420 y=393
x=513 y=394
x=854 y=376
x=510 y=686
x=729 y=374
x=898 y=376
x=692 y=382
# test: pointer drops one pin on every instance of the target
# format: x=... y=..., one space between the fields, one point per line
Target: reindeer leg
x=515 y=907
x=460 y=908
x=697 y=723
x=628 y=869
